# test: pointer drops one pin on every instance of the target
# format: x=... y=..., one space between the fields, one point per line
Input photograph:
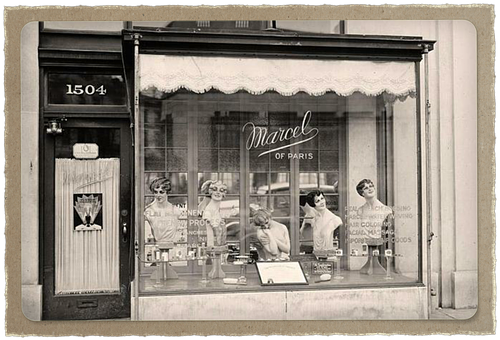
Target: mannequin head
x=262 y=218
x=366 y=189
x=160 y=187
x=217 y=190
x=316 y=199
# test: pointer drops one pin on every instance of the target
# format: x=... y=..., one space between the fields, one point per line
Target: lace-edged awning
x=285 y=76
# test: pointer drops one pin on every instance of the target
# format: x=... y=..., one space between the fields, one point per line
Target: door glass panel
x=86 y=213
x=87 y=225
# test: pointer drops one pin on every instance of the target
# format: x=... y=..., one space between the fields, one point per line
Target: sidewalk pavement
x=453 y=314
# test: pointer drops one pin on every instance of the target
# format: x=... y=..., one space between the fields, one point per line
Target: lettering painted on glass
x=259 y=136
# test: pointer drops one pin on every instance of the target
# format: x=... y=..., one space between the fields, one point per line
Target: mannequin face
x=218 y=192
x=266 y=224
x=320 y=202
x=160 y=194
x=369 y=191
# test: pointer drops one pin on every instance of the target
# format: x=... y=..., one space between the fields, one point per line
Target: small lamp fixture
x=54 y=127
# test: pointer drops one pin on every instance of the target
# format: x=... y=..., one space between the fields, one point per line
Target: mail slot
x=87 y=303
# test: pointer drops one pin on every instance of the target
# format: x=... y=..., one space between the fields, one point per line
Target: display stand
x=242 y=262
x=216 y=254
x=388 y=275
x=204 y=278
x=336 y=272
x=372 y=266
x=164 y=270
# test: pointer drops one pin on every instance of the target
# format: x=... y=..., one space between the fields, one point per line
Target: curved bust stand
x=372 y=265
x=216 y=253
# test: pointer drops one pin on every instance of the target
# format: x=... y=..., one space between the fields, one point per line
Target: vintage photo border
x=481 y=16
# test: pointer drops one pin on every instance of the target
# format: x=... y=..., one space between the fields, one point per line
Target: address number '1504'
x=88 y=90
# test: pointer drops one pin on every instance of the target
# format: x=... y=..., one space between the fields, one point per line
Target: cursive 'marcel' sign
x=260 y=137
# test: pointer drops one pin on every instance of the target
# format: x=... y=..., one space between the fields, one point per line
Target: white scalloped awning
x=285 y=76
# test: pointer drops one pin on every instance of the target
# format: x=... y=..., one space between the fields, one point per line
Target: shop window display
x=271 y=177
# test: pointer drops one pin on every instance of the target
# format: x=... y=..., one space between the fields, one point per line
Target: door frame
x=82 y=306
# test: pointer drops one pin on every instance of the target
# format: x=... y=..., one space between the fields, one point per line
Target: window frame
x=297 y=45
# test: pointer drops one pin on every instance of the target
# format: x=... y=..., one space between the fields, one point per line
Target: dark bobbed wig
x=361 y=185
x=313 y=194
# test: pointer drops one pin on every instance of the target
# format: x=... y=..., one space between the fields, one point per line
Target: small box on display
x=388 y=252
x=339 y=252
x=319 y=268
x=164 y=256
x=335 y=244
x=364 y=249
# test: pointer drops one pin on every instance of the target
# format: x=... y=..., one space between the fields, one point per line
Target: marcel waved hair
x=261 y=217
x=207 y=187
x=361 y=185
x=160 y=182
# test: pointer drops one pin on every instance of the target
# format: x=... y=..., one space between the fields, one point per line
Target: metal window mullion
x=244 y=192
x=192 y=155
x=294 y=203
x=138 y=182
x=342 y=136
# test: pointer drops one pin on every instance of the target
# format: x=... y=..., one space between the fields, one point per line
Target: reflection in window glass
x=329 y=182
x=154 y=159
x=279 y=205
x=280 y=183
x=176 y=135
x=259 y=202
x=258 y=183
x=308 y=181
x=177 y=160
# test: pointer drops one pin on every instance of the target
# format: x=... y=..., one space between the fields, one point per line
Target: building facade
x=180 y=170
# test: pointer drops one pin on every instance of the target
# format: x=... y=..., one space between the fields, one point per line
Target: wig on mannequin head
x=311 y=197
x=209 y=186
x=361 y=185
x=160 y=182
x=261 y=217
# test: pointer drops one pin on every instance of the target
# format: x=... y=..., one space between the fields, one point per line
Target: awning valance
x=285 y=76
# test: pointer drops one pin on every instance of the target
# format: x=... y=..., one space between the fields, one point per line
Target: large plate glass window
x=319 y=167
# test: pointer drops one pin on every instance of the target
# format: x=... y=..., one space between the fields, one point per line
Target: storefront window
x=223 y=170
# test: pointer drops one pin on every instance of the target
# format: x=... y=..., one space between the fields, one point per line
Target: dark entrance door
x=86 y=223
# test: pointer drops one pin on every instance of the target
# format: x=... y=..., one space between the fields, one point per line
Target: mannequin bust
x=161 y=215
x=163 y=219
x=324 y=222
x=374 y=217
x=272 y=236
x=215 y=192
